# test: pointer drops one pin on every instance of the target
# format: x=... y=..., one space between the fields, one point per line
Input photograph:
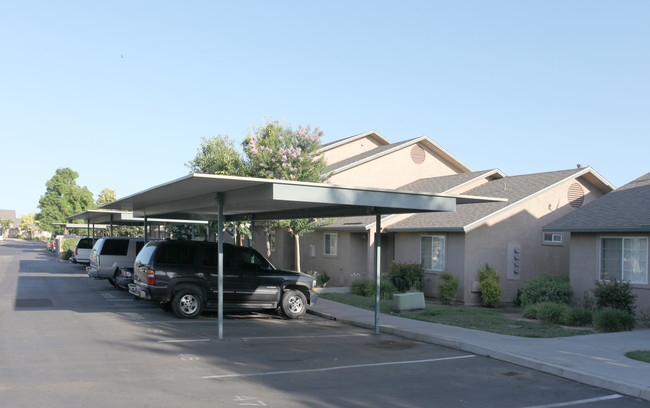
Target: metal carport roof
x=230 y=198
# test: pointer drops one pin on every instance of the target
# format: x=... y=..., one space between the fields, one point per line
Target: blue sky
x=122 y=92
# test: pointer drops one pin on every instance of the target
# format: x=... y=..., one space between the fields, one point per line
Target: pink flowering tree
x=274 y=150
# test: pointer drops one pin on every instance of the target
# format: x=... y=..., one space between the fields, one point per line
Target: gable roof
x=371 y=133
x=387 y=149
x=626 y=209
x=516 y=189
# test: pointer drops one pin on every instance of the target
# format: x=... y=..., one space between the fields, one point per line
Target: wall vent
x=417 y=154
x=576 y=195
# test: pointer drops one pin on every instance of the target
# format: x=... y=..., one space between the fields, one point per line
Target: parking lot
x=68 y=340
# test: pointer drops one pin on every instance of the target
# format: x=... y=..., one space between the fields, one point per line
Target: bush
x=407 y=277
x=547 y=288
x=577 y=316
x=322 y=279
x=551 y=312
x=530 y=311
x=611 y=320
x=362 y=287
x=366 y=288
x=489 y=286
x=66 y=254
x=615 y=294
x=447 y=288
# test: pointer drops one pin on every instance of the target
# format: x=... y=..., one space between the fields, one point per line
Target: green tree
x=4 y=225
x=106 y=196
x=274 y=150
x=28 y=224
x=62 y=198
x=218 y=155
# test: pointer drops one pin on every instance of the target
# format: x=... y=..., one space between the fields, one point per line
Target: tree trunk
x=297 y=248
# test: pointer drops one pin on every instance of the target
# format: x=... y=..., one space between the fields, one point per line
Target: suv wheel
x=187 y=303
x=294 y=304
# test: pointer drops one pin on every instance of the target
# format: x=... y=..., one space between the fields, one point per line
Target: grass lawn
x=495 y=321
x=641 y=355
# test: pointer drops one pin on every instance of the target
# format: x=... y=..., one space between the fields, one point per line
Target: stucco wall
x=584 y=267
x=521 y=227
x=350 y=149
x=395 y=170
x=350 y=257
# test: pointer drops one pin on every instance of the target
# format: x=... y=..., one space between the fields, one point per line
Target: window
x=272 y=240
x=118 y=247
x=330 y=244
x=432 y=251
x=624 y=259
x=552 y=239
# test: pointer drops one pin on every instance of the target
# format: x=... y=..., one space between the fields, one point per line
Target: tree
x=29 y=224
x=272 y=150
x=106 y=196
x=275 y=151
x=62 y=198
x=4 y=225
x=218 y=155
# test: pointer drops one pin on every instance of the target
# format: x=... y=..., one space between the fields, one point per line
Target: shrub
x=366 y=288
x=547 y=288
x=362 y=287
x=551 y=312
x=447 y=288
x=610 y=320
x=323 y=278
x=588 y=302
x=489 y=286
x=615 y=294
x=66 y=254
x=577 y=316
x=530 y=311
x=407 y=277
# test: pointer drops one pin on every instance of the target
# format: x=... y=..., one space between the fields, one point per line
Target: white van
x=109 y=254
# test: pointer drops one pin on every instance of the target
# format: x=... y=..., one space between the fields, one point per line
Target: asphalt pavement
x=597 y=359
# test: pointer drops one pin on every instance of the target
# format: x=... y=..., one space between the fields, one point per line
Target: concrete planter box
x=404 y=302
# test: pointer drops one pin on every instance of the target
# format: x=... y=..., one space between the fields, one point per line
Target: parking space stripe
x=182 y=341
x=316 y=370
x=304 y=337
x=577 y=402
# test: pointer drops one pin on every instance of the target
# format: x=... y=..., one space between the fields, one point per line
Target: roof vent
x=417 y=154
x=576 y=195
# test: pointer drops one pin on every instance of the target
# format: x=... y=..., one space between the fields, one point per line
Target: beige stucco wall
x=407 y=250
x=395 y=170
x=350 y=258
x=521 y=227
x=353 y=148
x=584 y=267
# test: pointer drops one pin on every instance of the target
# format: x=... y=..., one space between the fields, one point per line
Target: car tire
x=187 y=303
x=294 y=304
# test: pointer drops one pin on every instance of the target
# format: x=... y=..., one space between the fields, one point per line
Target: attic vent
x=417 y=155
x=576 y=195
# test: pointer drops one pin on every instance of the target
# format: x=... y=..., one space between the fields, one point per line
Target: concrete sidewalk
x=598 y=359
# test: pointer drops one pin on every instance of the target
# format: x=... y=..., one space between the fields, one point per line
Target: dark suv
x=183 y=276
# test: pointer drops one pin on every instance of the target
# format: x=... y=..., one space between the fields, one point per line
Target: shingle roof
x=624 y=209
x=443 y=184
x=362 y=156
x=515 y=189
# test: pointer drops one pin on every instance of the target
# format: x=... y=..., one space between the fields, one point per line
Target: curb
x=547 y=368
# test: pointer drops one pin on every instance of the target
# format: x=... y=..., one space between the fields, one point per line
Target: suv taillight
x=151 y=277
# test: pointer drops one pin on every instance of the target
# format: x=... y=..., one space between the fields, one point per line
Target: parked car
x=111 y=253
x=182 y=276
x=82 y=251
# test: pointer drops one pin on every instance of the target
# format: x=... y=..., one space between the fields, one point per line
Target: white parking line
x=182 y=341
x=315 y=370
x=577 y=402
x=304 y=337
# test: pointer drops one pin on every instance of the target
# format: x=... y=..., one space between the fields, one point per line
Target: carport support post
x=220 y=264
x=377 y=272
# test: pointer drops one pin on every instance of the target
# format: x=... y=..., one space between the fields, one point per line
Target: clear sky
x=123 y=91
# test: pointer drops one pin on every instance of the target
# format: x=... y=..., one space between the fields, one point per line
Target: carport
x=206 y=197
x=109 y=218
